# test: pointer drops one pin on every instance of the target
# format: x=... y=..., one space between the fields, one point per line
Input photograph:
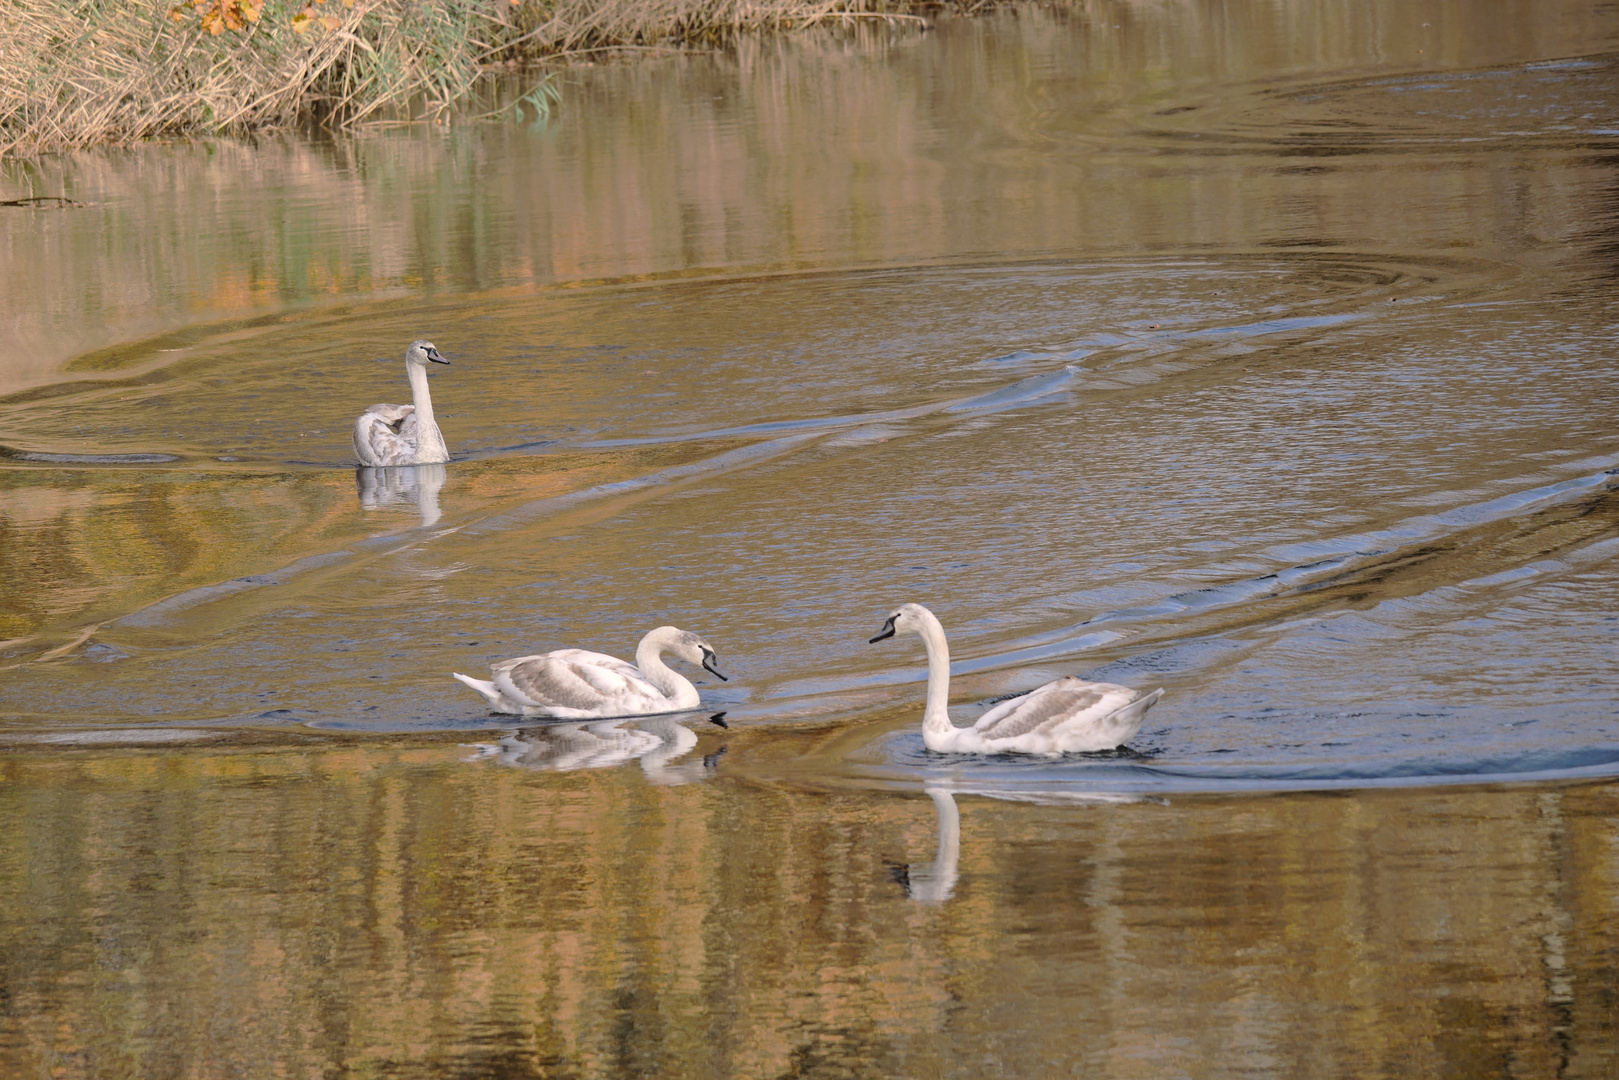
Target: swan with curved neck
x=1064 y=716
x=576 y=684
x=404 y=434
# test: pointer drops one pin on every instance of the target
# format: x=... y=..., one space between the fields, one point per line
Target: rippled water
x=1263 y=353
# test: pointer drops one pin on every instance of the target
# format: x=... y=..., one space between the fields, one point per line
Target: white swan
x=579 y=685
x=1064 y=716
x=404 y=434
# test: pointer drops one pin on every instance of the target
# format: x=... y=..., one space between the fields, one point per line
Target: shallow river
x=1259 y=351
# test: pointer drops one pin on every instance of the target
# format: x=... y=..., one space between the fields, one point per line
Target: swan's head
x=422 y=353
x=688 y=646
x=906 y=619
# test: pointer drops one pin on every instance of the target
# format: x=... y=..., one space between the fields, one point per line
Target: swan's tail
x=1126 y=719
x=488 y=689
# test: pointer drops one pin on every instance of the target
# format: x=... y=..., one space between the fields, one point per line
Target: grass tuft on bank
x=79 y=72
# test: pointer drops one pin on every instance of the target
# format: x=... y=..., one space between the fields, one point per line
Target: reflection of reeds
x=378 y=909
x=73 y=74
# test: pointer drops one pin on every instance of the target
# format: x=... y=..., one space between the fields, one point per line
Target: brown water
x=1259 y=351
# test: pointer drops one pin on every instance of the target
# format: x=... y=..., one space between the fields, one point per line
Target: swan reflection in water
x=401 y=485
x=935 y=882
x=655 y=741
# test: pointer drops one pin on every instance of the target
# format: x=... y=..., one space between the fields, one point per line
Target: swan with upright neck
x=404 y=434
x=1064 y=716
x=575 y=684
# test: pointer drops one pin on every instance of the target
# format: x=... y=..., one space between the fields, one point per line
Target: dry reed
x=78 y=72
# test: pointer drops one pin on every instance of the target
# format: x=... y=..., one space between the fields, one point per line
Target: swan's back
x=386 y=435
x=1066 y=715
x=572 y=679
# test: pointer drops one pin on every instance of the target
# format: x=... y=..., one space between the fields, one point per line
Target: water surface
x=1262 y=353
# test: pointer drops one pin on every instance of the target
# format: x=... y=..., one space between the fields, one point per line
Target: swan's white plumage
x=404 y=434
x=1066 y=715
x=576 y=684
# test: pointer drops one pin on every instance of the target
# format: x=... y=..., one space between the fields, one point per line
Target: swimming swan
x=576 y=684
x=404 y=434
x=1064 y=716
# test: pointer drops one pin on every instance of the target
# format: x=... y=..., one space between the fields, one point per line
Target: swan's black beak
x=432 y=354
x=886 y=632
x=709 y=662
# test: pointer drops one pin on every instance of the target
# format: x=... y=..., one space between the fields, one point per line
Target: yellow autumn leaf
x=330 y=22
x=300 y=24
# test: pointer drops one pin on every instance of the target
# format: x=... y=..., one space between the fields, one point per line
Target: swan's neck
x=430 y=448
x=936 y=718
x=649 y=658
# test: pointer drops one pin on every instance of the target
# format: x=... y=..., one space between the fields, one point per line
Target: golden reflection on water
x=1103 y=128
x=93 y=545
x=391 y=910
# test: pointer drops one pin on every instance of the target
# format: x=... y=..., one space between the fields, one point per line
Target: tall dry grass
x=77 y=72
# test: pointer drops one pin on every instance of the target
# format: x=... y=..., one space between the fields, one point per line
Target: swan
x=576 y=684
x=1066 y=715
x=404 y=434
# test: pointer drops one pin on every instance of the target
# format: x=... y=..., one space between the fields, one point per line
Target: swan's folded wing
x=386 y=435
x=545 y=680
x=1053 y=704
x=563 y=681
x=614 y=678
x=586 y=658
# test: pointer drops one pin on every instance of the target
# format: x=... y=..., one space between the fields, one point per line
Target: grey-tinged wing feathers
x=386 y=435
x=568 y=679
x=1051 y=705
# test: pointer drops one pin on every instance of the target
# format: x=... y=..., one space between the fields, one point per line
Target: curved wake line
x=9 y=453
x=1034 y=390
x=163 y=611
x=1083 y=778
x=1343 y=556
x=1327 y=560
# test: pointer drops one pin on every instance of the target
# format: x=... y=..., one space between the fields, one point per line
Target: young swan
x=404 y=434
x=1065 y=716
x=576 y=684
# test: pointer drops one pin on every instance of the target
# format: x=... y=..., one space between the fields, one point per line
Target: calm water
x=1264 y=352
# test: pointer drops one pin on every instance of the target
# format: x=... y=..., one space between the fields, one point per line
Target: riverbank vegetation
x=78 y=72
